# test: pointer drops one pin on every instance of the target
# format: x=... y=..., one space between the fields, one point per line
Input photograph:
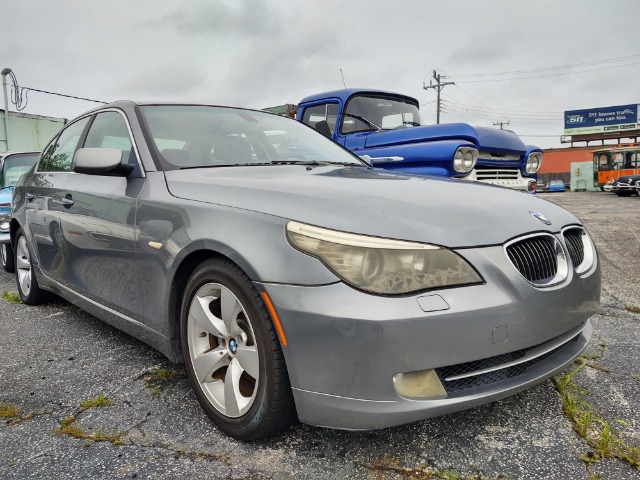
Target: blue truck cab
x=385 y=128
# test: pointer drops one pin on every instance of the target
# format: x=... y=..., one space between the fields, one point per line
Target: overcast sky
x=262 y=53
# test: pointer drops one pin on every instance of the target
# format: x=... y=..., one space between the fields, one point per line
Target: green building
x=27 y=132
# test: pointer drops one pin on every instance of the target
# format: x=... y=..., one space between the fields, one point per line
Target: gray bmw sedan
x=294 y=280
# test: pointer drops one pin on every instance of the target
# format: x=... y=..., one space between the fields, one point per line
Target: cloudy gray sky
x=263 y=53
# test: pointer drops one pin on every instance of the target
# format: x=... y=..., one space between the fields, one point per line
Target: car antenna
x=343 y=82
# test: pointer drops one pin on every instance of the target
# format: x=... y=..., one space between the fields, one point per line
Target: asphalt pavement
x=80 y=399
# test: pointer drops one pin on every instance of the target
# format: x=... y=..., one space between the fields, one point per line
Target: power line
x=539 y=136
x=62 y=95
x=551 y=75
x=543 y=69
x=492 y=114
x=539 y=112
x=499 y=111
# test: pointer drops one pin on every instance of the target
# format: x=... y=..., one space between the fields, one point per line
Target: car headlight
x=534 y=162
x=4 y=221
x=380 y=265
x=465 y=159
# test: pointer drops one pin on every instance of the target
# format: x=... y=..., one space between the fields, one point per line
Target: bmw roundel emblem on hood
x=540 y=217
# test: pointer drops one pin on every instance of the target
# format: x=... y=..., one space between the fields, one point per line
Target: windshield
x=14 y=166
x=201 y=136
x=369 y=112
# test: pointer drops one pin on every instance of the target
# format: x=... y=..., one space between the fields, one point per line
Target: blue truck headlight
x=380 y=265
x=4 y=222
x=534 y=162
x=465 y=159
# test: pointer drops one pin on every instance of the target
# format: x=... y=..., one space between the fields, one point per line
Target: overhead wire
x=20 y=95
x=544 y=69
x=550 y=75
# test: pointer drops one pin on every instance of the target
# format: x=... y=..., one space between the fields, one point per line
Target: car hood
x=627 y=179
x=376 y=202
x=484 y=138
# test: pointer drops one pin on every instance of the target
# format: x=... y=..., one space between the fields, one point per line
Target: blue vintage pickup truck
x=385 y=128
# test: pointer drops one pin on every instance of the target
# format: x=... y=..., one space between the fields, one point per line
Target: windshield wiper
x=313 y=162
x=362 y=119
x=218 y=165
x=292 y=161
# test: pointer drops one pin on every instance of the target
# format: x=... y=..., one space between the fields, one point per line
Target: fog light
x=532 y=186
x=424 y=385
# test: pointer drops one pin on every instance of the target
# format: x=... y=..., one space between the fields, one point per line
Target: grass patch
x=596 y=432
x=387 y=465
x=157 y=380
x=632 y=308
x=9 y=411
x=99 y=401
x=593 y=360
x=11 y=297
x=69 y=427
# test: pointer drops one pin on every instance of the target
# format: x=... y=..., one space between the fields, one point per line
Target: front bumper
x=345 y=346
x=624 y=187
x=504 y=177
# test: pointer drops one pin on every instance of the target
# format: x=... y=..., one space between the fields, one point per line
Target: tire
x=28 y=288
x=8 y=260
x=232 y=353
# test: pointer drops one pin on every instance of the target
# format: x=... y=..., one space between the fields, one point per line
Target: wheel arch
x=178 y=276
x=14 y=226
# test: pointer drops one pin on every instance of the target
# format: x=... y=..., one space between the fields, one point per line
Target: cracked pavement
x=54 y=357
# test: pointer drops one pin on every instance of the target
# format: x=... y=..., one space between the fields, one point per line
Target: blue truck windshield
x=369 y=112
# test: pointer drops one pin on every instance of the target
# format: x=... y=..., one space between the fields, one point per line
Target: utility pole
x=501 y=124
x=438 y=87
x=5 y=72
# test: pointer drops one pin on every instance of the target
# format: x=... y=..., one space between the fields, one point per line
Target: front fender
x=425 y=158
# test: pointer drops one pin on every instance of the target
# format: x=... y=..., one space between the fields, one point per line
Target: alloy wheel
x=223 y=350
x=23 y=266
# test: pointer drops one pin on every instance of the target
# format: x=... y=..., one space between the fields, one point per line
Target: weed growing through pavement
x=68 y=425
x=9 y=411
x=388 y=465
x=158 y=379
x=11 y=297
x=99 y=401
x=594 y=430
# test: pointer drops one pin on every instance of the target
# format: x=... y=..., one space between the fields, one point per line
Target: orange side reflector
x=276 y=320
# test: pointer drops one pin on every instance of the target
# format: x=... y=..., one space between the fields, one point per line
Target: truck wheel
x=233 y=357
x=7 y=257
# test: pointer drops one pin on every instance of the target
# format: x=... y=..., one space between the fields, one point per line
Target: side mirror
x=100 y=161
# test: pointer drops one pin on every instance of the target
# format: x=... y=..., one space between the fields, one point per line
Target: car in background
x=608 y=187
x=556 y=186
x=312 y=288
x=626 y=185
x=12 y=166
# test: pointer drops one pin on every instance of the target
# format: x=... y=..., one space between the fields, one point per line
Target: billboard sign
x=601 y=120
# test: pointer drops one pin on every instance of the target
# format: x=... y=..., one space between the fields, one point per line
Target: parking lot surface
x=80 y=399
